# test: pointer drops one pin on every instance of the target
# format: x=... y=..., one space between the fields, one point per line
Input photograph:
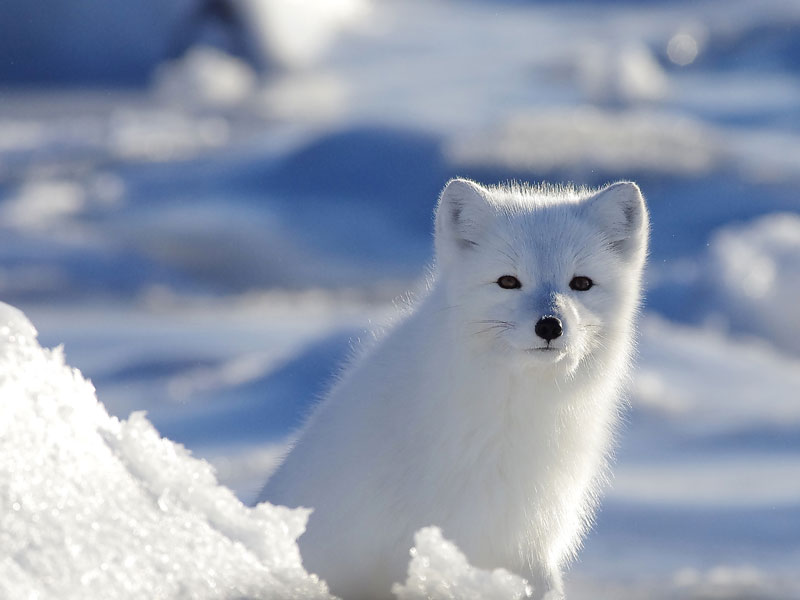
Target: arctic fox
x=490 y=407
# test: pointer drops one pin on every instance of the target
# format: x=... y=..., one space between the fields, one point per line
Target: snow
x=41 y=204
x=752 y=276
x=207 y=76
x=745 y=283
x=626 y=74
x=667 y=385
x=772 y=480
x=295 y=32
x=723 y=582
x=438 y=569
x=209 y=237
x=593 y=138
x=97 y=507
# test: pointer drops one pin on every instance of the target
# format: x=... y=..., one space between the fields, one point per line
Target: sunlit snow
x=95 y=507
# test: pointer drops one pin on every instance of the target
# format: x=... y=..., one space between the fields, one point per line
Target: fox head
x=543 y=276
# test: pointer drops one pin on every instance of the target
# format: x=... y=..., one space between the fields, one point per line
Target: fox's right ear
x=619 y=209
x=463 y=211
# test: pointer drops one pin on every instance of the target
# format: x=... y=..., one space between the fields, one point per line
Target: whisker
x=450 y=307
x=497 y=328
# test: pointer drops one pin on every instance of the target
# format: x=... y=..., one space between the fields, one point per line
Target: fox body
x=489 y=407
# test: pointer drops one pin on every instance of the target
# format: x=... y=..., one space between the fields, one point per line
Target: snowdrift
x=96 y=507
x=753 y=278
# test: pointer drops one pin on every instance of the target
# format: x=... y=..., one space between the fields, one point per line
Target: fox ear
x=620 y=211
x=463 y=211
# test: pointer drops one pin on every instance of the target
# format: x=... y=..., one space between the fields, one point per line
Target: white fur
x=455 y=418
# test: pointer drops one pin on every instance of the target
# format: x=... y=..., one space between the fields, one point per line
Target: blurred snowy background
x=208 y=201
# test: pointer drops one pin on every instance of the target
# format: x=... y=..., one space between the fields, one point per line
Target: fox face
x=541 y=276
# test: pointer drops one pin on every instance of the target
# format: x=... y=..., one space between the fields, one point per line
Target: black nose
x=548 y=328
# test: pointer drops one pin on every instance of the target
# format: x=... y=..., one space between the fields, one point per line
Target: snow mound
x=438 y=569
x=94 y=507
x=584 y=139
x=620 y=75
x=294 y=34
x=753 y=278
x=722 y=582
x=205 y=76
x=666 y=386
x=40 y=204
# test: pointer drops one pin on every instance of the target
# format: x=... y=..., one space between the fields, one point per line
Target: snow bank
x=620 y=75
x=722 y=582
x=95 y=507
x=587 y=138
x=205 y=75
x=753 y=278
x=719 y=397
x=745 y=282
x=295 y=33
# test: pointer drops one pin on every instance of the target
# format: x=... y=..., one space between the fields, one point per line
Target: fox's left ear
x=620 y=211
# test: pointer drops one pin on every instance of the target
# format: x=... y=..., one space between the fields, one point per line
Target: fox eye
x=580 y=283
x=509 y=282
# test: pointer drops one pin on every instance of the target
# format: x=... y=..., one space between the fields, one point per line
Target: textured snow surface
x=95 y=507
x=438 y=569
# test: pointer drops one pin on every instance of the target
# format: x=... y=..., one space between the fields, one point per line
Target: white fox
x=489 y=408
